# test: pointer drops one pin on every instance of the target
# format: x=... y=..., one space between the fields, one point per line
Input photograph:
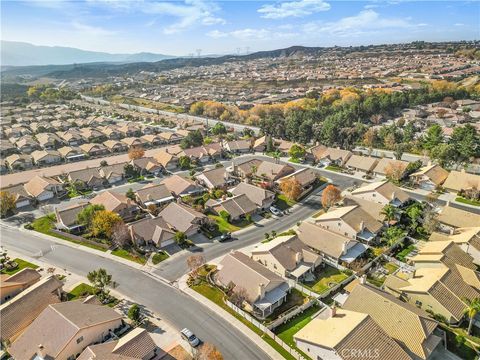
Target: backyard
x=467 y=201
x=325 y=278
x=378 y=276
x=21 y=264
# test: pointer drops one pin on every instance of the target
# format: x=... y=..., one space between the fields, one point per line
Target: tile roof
x=385 y=188
x=39 y=184
x=458 y=218
x=458 y=180
x=181 y=217
x=354 y=216
x=254 y=193
x=434 y=172
x=365 y=163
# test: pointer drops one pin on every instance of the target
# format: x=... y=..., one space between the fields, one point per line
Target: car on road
x=225 y=237
x=190 y=337
x=275 y=211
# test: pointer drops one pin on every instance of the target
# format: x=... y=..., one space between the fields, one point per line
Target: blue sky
x=218 y=27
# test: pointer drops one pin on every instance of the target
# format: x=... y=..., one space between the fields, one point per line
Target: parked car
x=225 y=237
x=275 y=211
x=190 y=337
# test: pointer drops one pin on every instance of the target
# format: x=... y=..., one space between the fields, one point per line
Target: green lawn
x=294 y=298
x=464 y=351
x=334 y=168
x=283 y=203
x=125 y=254
x=79 y=291
x=467 y=201
x=326 y=278
x=402 y=254
x=159 y=257
x=290 y=328
x=295 y=160
x=22 y=264
x=224 y=226
x=391 y=267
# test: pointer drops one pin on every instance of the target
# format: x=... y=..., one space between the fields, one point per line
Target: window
x=80 y=339
x=418 y=303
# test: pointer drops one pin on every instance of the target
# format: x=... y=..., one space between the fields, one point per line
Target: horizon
x=182 y=28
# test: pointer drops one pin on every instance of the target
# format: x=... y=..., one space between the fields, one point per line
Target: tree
x=395 y=171
x=445 y=154
x=7 y=203
x=194 y=263
x=224 y=215
x=184 y=162
x=370 y=138
x=238 y=296
x=130 y=194
x=219 y=129
x=392 y=234
x=134 y=313
x=194 y=138
x=390 y=212
x=85 y=217
x=208 y=352
x=103 y=163
x=433 y=137
x=120 y=234
x=103 y=223
x=330 y=196
x=100 y=280
x=136 y=152
x=291 y=188
x=297 y=152
x=473 y=307
x=414 y=213
x=466 y=142
x=130 y=171
x=180 y=237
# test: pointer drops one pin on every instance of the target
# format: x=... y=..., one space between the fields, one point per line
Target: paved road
x=175 y=307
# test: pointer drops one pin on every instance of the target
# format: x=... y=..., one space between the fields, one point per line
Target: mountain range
x=15 y=53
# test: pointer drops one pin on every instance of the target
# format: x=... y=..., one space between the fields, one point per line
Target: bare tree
x=194 y=263
x=208 y=351
x=121 y=234
x=238 y=296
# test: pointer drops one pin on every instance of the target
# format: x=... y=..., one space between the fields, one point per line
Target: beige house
x=266 y=170
x=382 y=192
x=338 y=333
x=154 y=194
x=467 y=238
x=11 y=285
x=113 y=173
x=71 y=153
x=62 y=331
x=115 y=146
x=92 y=149
x=429 y=177
x=168 y=161
x=451 y=218
x=217 y=178
x=364 y=164
x=19 y=161
x=43 y=188
x=305 y=177
x=22 y=197
x=154 y=231
x=384 y=165
x=67 y=217
x=86 y=178
x=331 y=156
x=461 y=180
x=117 y=203
x=237 y=206
x=183 y=218
x=180 y=186
x=46 y=157
x=261 y=197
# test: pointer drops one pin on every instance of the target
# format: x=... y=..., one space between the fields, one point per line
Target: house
x=238 y=206
x=461 y=180
x=183 y=218
x=467 y=238
x=43 y=188
x=46 y=157
x=334 y=247
x=147 y=165
x=264 y=290
x=19 y=161
x=152 y=140
x=111 y=132
x=263 y=169
x=331 y=156
x=67 y=217
x=63 y=330
x=305 y=177
x=382 y=192
x=350 y=221
x=385 y=165
x=237 y=146
x=168 y=161
x=260 y=144
x=92 y=149
x=336 y=333
x=130 y=130
x=429 y=177
x=451 y=218
x=261 y=197
x=412 y=328
x=374 y=209
x=287 y=256
x=26 y=144
x=86 y=178
x=20 y=311
x=49 y=141
x=171 y=137
x=154 y=231
x=71 y=137
x=154 y=194
x=113 y=173
x=181 y=186
x=137 y=344
x=71 y=153
x=117 y=203
x=12 y=285
x=115 y=146
x=437 y=289
x=364 y=164
x=134 y=142
x=217 y=178
x=22 y=197
x=92 y=135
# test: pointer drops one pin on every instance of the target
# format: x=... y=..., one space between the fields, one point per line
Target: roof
x=216 y=177
x=180 y=217
x=112 y=201
x=164 y=158
x=410 y=326
x=18 y=191
x=458 y=180
x=365 y=163
x=84 y=175
x=458 y=218
x=385 y=163
x=24 y=276
x=372 y=208
x=354 y=216
x=434 y=172
x=236 y=206
x=449 y=253
x=38 y=155
x=156 y=230
x=470 y=235
x=68 y=215
x=38 y=184
x=272 y=170
x=304 y=176
x=153 y=192
x=385 y=188
x=254 y=193
x=58 y=324
x=112 y=170
x=180 y=185
x=239 y=269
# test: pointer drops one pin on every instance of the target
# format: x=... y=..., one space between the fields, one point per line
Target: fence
x=402 y=265
x=79 y=239
x=288 y=315
x=266 y=330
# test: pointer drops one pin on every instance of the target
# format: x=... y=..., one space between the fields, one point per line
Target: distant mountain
x=24 y=54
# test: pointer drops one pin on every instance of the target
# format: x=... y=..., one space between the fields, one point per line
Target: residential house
x=261 y=197
x=385 y=165
x=62 y=331
x=217 y=178
x=20 y=311
x=382 y=192
x=12 y=285
x=238 y=206
x=374 y=209
x=154 y=194
x=260 y=144
x=137 y=344
x=147 y=165
x=43 y=188
x=461 y=180
x=183 y=218
x=334 y=247
x=71 y=153
x=264 y=290
x=168 y=161
x=92 y=149
x=152 y=140
x=467 y=238
x=429 y=177
x=46 y=157
x=130 y=130
x=237 y=146
x=287 y=256
x=171 y=137
x=92 y=135
x=305 y=177
x=67 y=217
x=86 y=178
x=117 y=203
x=26 y=144
x=19 y=162
x=112 y=132
x=113 y=173
x=181 y=186
x=412 y=328
x=115 y=146
x=263 y=169
x=339 y=333
x=22 y=197
x=49 y=141
x=71 y=137
x=154 y=231
x=350 y=221
x=451 y=218
x=331 y=156
x=134 y=142
x=363 y=164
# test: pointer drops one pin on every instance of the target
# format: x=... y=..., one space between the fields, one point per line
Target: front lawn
x=159 y=257
x=283 y=203
x=22 y=264
x=467 y=201
x=224 y=226
x=79 y=291
x=125 y=254
x=335 y=168
x=325 y=278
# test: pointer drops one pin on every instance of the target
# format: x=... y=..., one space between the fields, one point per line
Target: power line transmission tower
x=199 y=52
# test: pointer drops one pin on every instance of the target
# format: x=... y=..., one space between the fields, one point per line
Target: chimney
x=298 y=257
x=261 y=291
x=334 y=311
x=344 y=248
x=362 y=225
x=41 y=353
x=363 y=279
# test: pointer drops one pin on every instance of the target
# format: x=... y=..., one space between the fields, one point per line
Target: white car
x=190 y=337
x=275 y=211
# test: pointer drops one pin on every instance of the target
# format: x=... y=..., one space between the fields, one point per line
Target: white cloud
x=91 y=30
x=293 y=9
x=251 y=34
x=459 y=24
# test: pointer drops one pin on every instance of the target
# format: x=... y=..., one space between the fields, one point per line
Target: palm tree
x=473 y=307
x=276 y=156
x=390 y=212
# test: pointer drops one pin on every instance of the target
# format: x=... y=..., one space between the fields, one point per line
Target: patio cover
x=300 y=270
x=354 y=252
x=272 y=297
